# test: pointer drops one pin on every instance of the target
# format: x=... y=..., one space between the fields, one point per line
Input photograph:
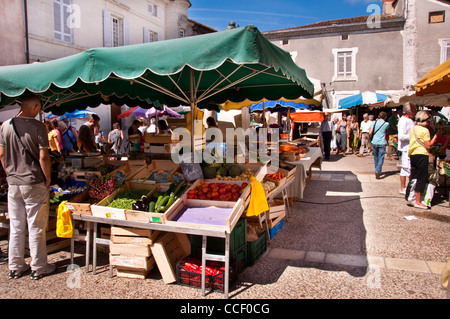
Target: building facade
x=42 y=30
x=386 y=51
x=51 y=29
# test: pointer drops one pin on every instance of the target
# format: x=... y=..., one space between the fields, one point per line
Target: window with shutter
x=61 y=15
x=344 y=64
x=445 y=49
x=117 y=35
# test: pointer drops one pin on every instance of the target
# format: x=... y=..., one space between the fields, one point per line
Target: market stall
x=244 y=66
x=436 y=83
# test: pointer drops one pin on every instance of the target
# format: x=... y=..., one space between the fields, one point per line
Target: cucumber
x=162 y=203
x=178 y=187
x=155 y=195
x=160 y=198
x=172 y=198
x=152 y=206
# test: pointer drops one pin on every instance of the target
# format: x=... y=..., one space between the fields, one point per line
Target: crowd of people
x=27 y=147
x=414 y=132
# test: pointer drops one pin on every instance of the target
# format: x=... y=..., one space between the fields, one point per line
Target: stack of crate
x=130 y=251
x=277 y=213
x=238 y=246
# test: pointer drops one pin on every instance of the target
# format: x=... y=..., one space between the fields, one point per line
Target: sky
x=276 y=14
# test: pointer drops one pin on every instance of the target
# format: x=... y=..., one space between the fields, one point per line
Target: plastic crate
x=187 y=277
x=255 y=249
x=238 y=260
x=276 y=228
x=238 y=239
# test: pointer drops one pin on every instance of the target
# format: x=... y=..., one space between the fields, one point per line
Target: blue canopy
x=78 y=114
x=274 y=106
x=361 y=99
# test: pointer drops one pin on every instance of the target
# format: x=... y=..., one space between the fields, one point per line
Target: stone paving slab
x=357 y=260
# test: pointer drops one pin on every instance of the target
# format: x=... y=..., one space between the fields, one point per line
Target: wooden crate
x=142 y=263
x=147 y=217
x=130 y=250
x=128 y=235
x=140 y=177
x=276 y=209
x=132 y=273
x=79 y=204
x=101 y=209
x=273 y=222
x=290 y=170
x=273 y=190
x=227 y=223
x=168 y=250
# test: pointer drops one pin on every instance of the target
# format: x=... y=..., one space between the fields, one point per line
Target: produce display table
x=203 y=231
x=304 y=166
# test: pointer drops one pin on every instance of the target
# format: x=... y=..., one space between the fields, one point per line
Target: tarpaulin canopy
x=78 y=114
x=307 y=116
x=430 y=99
x=148 y=113
x=272 y=104
x=436 y=81
x=203 y=71
x=365 y=98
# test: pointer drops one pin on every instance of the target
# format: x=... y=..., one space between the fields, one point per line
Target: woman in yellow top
x=53 y=137
x=419 y=144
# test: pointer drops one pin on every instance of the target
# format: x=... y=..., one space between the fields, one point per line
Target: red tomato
x=222 y=190
x=214 y=194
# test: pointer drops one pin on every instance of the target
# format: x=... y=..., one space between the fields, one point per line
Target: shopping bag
x=64 y=226
x=258 y=200
x=428 y=195
x=409 y=194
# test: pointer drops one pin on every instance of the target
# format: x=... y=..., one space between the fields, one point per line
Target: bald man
x=25 y=157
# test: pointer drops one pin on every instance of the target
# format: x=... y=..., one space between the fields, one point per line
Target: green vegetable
x=171 y=200
x=178 y=187
x=155 y=195
x=152 y=207
x=162 y=203
x=209 y=172
x=160 y=198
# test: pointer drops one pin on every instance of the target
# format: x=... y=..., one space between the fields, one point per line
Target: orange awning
x=309 y=116
x=436 y=81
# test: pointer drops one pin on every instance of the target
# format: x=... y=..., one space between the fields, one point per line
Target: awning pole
x=191 y=80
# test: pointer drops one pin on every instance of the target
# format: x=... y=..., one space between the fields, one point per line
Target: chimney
x=389 y=7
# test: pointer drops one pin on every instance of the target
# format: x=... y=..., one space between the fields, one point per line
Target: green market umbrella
x=201 y=71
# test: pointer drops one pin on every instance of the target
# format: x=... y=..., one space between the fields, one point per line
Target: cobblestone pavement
x=350 y=237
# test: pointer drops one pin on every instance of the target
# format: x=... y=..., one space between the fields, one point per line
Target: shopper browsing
x=364 y=136
x=419 y=145
x=378 y=134
x=86 y=136
x=405 y=124
x=25 y=157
